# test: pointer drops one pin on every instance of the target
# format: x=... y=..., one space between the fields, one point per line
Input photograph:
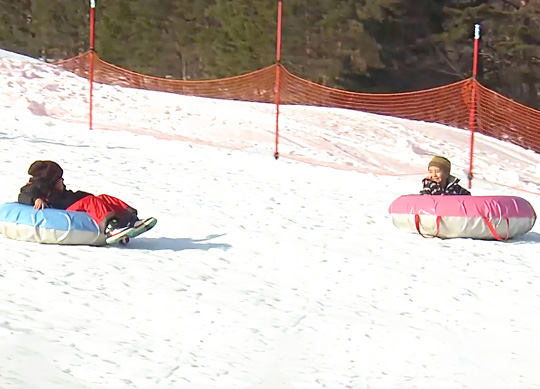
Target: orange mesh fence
x=257 y=86
x=504 y=119
x=496 y=115
x=446 y=105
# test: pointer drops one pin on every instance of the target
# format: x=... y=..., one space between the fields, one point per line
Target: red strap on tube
x=417 y=223
x=494 y=232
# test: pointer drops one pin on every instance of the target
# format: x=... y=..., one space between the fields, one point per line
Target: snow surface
x=19 y=57
x=260 y=273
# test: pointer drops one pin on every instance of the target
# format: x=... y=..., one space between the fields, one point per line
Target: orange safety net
x=446 y=105
x=495 y=115
x=257 y=86
x=503 y=118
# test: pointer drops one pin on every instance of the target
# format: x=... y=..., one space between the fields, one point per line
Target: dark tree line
x=359 y=45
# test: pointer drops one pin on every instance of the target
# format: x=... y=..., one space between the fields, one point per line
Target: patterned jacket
x=452 y=187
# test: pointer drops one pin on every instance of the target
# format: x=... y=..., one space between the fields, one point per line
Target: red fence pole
x=91 y=67
x=472 y=115
x=278 y=73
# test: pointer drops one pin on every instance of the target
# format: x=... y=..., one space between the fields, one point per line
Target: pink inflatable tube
x=479 y=217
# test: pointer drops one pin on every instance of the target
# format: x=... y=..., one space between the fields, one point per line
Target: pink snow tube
x=479 y=217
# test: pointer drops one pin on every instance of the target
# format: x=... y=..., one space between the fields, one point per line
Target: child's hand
x=39 y=204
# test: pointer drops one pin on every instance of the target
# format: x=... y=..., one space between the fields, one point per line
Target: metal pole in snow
x=472 y=114
x=91 y=64
x=278 y=78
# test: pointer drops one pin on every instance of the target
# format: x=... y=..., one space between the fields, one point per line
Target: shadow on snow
x=530 y=237
x=177 y=244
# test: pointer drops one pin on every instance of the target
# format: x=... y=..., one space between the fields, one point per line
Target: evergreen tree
x=509 y=55
x=409 y=60
x=15 y=25
x=59 y=29
x=113 y=32
x=325 y=38
x=182 y=56
x=240 y=37
x=362 y=45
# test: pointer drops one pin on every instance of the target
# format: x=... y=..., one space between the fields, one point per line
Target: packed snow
x=261 y=273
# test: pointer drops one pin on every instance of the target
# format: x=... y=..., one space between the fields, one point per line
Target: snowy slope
x=260 y=273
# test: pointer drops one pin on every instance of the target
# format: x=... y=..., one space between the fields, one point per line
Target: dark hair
x=45 y=186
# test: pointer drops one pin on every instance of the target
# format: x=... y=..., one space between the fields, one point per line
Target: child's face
x=437 y=175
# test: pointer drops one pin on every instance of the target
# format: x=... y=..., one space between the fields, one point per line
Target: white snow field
x=260 y=274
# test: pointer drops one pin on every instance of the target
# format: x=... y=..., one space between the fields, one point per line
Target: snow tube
x=53 y=226
x=478 y=217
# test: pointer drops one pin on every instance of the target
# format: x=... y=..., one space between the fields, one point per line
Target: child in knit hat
x=439 y=180
x=46 y=189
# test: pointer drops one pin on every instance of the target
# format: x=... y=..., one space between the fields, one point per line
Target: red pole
x=278 y=72
x=91 y=67
x=472 y=115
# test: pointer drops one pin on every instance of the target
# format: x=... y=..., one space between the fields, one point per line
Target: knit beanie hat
x=48 y=170
x=441 y=162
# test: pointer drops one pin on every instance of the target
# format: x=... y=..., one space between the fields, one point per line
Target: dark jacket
x=40 y=188
x=452 y=187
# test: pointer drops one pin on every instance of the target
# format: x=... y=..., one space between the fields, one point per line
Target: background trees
x=360 y=45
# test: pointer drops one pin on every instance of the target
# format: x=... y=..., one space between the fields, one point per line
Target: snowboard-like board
x=128 y=233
